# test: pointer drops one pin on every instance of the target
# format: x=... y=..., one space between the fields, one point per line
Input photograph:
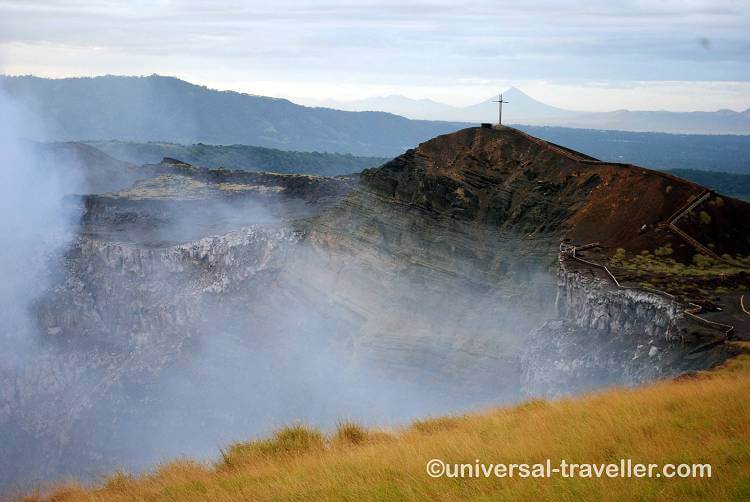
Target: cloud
x=380 y=42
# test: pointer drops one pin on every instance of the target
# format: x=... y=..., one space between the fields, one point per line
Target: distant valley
x=708 y=152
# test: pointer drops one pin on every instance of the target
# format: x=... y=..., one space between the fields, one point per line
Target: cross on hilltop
x=500 y=102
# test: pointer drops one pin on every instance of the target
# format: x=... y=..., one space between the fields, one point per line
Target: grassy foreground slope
x=703 y=418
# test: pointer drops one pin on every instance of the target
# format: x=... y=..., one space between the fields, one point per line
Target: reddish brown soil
x=504 y=177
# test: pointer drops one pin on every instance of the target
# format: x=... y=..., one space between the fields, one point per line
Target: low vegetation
x=704 y=276
x=702 y=418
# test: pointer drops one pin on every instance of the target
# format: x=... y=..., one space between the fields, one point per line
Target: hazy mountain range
x=523 y=109
x=520 y=109
x=166 y=109
x=157 y=108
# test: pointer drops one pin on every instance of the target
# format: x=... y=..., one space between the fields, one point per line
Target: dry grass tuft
x=285 y=442
x=436 y=424
x=350 y=433
x=119 y=481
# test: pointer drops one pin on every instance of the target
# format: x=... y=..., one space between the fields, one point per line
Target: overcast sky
x=597 y=55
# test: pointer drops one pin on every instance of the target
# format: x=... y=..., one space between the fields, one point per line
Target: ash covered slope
x=198 y=306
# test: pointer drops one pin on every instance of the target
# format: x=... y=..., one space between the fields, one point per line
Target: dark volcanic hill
x=508 y=180
x=96 y=171
x=157 y=108
x=201 y=306
x=511 y=182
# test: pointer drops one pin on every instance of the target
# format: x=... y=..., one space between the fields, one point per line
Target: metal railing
x=691 y=310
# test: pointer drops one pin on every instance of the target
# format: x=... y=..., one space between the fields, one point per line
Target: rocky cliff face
x=605 y=334
x=122 y=294
x=593 y=300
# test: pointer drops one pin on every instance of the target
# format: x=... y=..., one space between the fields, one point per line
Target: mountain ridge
x=158 y=108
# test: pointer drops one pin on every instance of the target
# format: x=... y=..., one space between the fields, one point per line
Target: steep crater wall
x=606 y=334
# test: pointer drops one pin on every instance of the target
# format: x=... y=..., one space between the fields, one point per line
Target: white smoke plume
x=34 y=225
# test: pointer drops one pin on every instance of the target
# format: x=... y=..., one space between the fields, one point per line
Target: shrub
x=703 y=261
x=704 y=217
x=717 y=201
x=664 y=250
x=619 y=255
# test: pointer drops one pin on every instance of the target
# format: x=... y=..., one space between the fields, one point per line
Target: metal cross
x=500 y=102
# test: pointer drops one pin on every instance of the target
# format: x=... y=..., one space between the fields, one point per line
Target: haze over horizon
x=592 y=57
